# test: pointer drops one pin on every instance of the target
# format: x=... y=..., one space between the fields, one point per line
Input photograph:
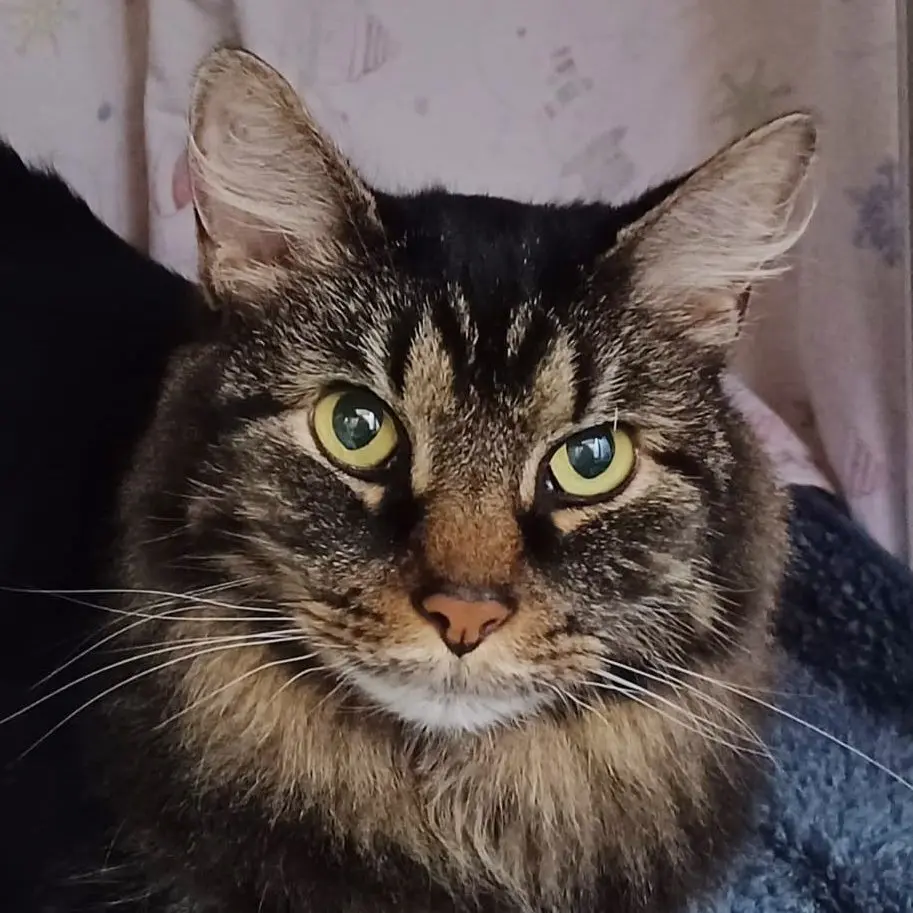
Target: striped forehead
x=455 y=363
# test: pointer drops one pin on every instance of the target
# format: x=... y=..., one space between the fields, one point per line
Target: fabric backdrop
x=539 y=99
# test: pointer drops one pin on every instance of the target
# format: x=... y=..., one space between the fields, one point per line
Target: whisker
x=222 y=586
x=287 y=660
x=329 y=695
x=635 y=693
x=253 y=637
x=149 y=614
x=142 y=618
x=97 y=645
x=249 y=640
x=166 y=594
x=623 y=682
x=701 y=695
x=164 y=537
x=122 y=684
x=811 y=727
x=296 y=678
x=569 y=698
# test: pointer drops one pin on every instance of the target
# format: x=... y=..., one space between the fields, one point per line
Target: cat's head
x=475 y=452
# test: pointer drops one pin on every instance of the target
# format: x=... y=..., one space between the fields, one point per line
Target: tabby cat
x=445 y=547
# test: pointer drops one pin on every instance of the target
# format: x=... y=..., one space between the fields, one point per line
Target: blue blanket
x=835 y=833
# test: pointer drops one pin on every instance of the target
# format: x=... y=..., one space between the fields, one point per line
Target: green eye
x=355 y=429
x=593 y=463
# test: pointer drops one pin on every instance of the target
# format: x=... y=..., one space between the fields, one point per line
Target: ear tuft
x=267 y=184
x=725 y=228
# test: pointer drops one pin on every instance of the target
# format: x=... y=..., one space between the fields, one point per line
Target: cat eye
x=592 y=463
x=355 y=429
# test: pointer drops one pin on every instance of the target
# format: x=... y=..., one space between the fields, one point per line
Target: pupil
x=591 y=456
x=356 y=420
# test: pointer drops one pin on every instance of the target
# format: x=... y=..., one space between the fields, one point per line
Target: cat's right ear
x=696 y=255
x=270 y=190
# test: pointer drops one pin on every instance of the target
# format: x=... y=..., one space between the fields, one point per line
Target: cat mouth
x=437 y=709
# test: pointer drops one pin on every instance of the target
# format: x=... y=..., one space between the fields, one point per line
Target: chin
x=434 y=708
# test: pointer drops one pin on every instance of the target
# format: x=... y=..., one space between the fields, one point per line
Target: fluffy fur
x=295 y=736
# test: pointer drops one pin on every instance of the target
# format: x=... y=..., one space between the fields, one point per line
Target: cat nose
x=464 y=623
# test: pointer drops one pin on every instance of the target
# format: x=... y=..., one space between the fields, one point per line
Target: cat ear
x=268 y=187
x=696 y=255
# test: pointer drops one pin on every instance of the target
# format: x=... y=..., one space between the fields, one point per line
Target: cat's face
x=475 y=452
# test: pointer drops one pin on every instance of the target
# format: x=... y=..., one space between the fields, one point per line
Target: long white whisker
x=287 y=660
x=295 y=678
x=811 y=727
x=701 y=695
x=141 y=619
x=567 y=697
x=124 y=684
x=266 y=637
x=623 y=682
x=633 y=692
x=149 y=612
x=159 y=594
x=633 y=695
x=255 y=637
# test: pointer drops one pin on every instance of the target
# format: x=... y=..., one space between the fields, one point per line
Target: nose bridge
x=471 y=536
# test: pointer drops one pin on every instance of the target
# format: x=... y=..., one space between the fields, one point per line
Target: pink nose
x=464 y=624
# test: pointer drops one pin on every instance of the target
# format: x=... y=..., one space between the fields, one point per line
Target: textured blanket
x=835 y=834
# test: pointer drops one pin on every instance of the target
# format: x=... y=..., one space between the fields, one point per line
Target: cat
x=444 y=563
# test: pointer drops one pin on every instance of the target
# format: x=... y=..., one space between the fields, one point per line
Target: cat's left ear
x=695 y=256
x=269 y=188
